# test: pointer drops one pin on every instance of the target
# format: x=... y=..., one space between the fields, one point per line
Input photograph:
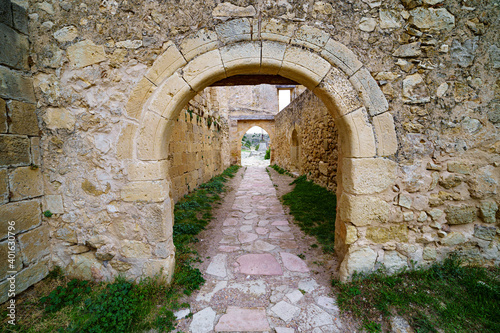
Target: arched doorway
x=254 y=144
x=303 y=54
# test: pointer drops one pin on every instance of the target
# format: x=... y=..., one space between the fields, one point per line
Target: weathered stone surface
x=486 y=233
x=59 y=118
x=494 y=52
x=85 y=53
x=461 y=214
x=203 y=321
x=14 y=150
x=384 y=235
x=405 y=201
x=16 y=86
x=385 y=132
x=217 y=266
x=432 y=18
x=450 y=181
x=415 y=90
x=135 y=249
x=488 y=211
x=227 y=9
x=351 y=234
x=259 y=264
x=408 y=50
x=359 y=260
x=239 y=319
x=452 y=239
x=341 y=56
x=31 y=275
x=400 y=325
x=394 y=261
x=83 y=266
x=389 y=19
x=34 y=244
x=23 y=118
x=367 y=24
x=371 y=94
x=363 y=210
x=25 y=182
x=26 y=214
x=357 y=134
x=459 y=167
x=234 y=31
x=285 y=311
x=66 y=34
x=311 y=37
x=155 y=191
x=293 y=263
x=3 y=116
x=368 y=175
x=10 y=41
x=129 y=44
x=4 y=187
x=7 y=252
x=482 y=184
x=463 y=54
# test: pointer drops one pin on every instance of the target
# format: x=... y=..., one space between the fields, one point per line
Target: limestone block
x=432 y=18
x=4 y=187
x=272 y=57
x=26 y=214
x=36 y=157
x=129 y=44
x=304 y=67
x=5 y=248
x=25 y=183
x=452 y=239
x=389 y=19
x=368 y=175
x=120 y=265
x=15 y=47
x=483 y=232
x=351 y=235
x=204 y=70
x=23 y=118
x=3 y=116
x=166 y=64
x=241 y=58
x=147 y=145
x=67 y=234
x=337 y=93
x=227 y=9
x=135 y=249
x=482 y=184
x=394 y=261
x=155 y=191
x=415 y=90
x=356 y=134
x=202 y=41
x=429 y=253
x=163 y=267
x=54 y=203
x=459 y=167
x=125 y=144
x=138 y=97
x=233 y=31
x=34 y=244
x=156 y=170
x=367 y=24
x=14 y=150
x=59 y=118
x=273 y=30
x=385 y=132
x=461 y=214
x=361 y=260
x=83 y=266
x=488 y=211
x=408 y=50
x=310 y=37
x=170 y=97
x=339 y=55
x=85 y=53
x=16 y=86
x=363 y=210
x=384 y=235
x=371 y=94
x=31 y=275
x=66 y=34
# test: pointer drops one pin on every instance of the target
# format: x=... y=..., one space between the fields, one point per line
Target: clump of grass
x=281 y=171
x=61 y=305
x=314 y=208
x=446 y=297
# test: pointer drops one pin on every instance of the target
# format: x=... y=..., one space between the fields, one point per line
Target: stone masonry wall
x=21 y=184
x=437 y=63
x=198 y=148
x=317 y=150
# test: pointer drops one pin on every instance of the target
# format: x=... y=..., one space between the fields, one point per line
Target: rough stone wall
x=316 y=155
x=247 y=100
x=436 y=61
x=23 y=233
x=199 y=148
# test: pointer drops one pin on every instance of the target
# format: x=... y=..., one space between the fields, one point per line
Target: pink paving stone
x=280 y=222
x=243 y=319
x=293 y=263
x=230 y=221
x=259 y=264
x=227 y=248
x=261 y=231
x=280 y=235
x=247 y=237
x=288 y=244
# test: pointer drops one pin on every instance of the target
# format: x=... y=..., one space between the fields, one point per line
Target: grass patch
x=446 y=297
x=281 y=171
x=314 y=208
x=58 y=304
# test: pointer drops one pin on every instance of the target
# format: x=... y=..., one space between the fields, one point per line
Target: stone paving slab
x=259 y=264
x=243 y=320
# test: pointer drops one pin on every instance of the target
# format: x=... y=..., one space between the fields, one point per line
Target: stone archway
x=302 y=53
x=239 y=126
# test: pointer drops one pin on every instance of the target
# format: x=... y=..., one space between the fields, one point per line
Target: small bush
x=267 y=156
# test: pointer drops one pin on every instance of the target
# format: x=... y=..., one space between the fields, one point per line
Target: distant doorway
x=255 y=147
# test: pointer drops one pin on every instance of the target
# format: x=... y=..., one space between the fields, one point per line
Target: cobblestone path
x=255 y=281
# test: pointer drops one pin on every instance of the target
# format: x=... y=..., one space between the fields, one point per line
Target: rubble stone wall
x=24 y=235
x=307 y=140
x=412 y=85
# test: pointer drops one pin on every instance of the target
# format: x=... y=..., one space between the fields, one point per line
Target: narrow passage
x=255 y=282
